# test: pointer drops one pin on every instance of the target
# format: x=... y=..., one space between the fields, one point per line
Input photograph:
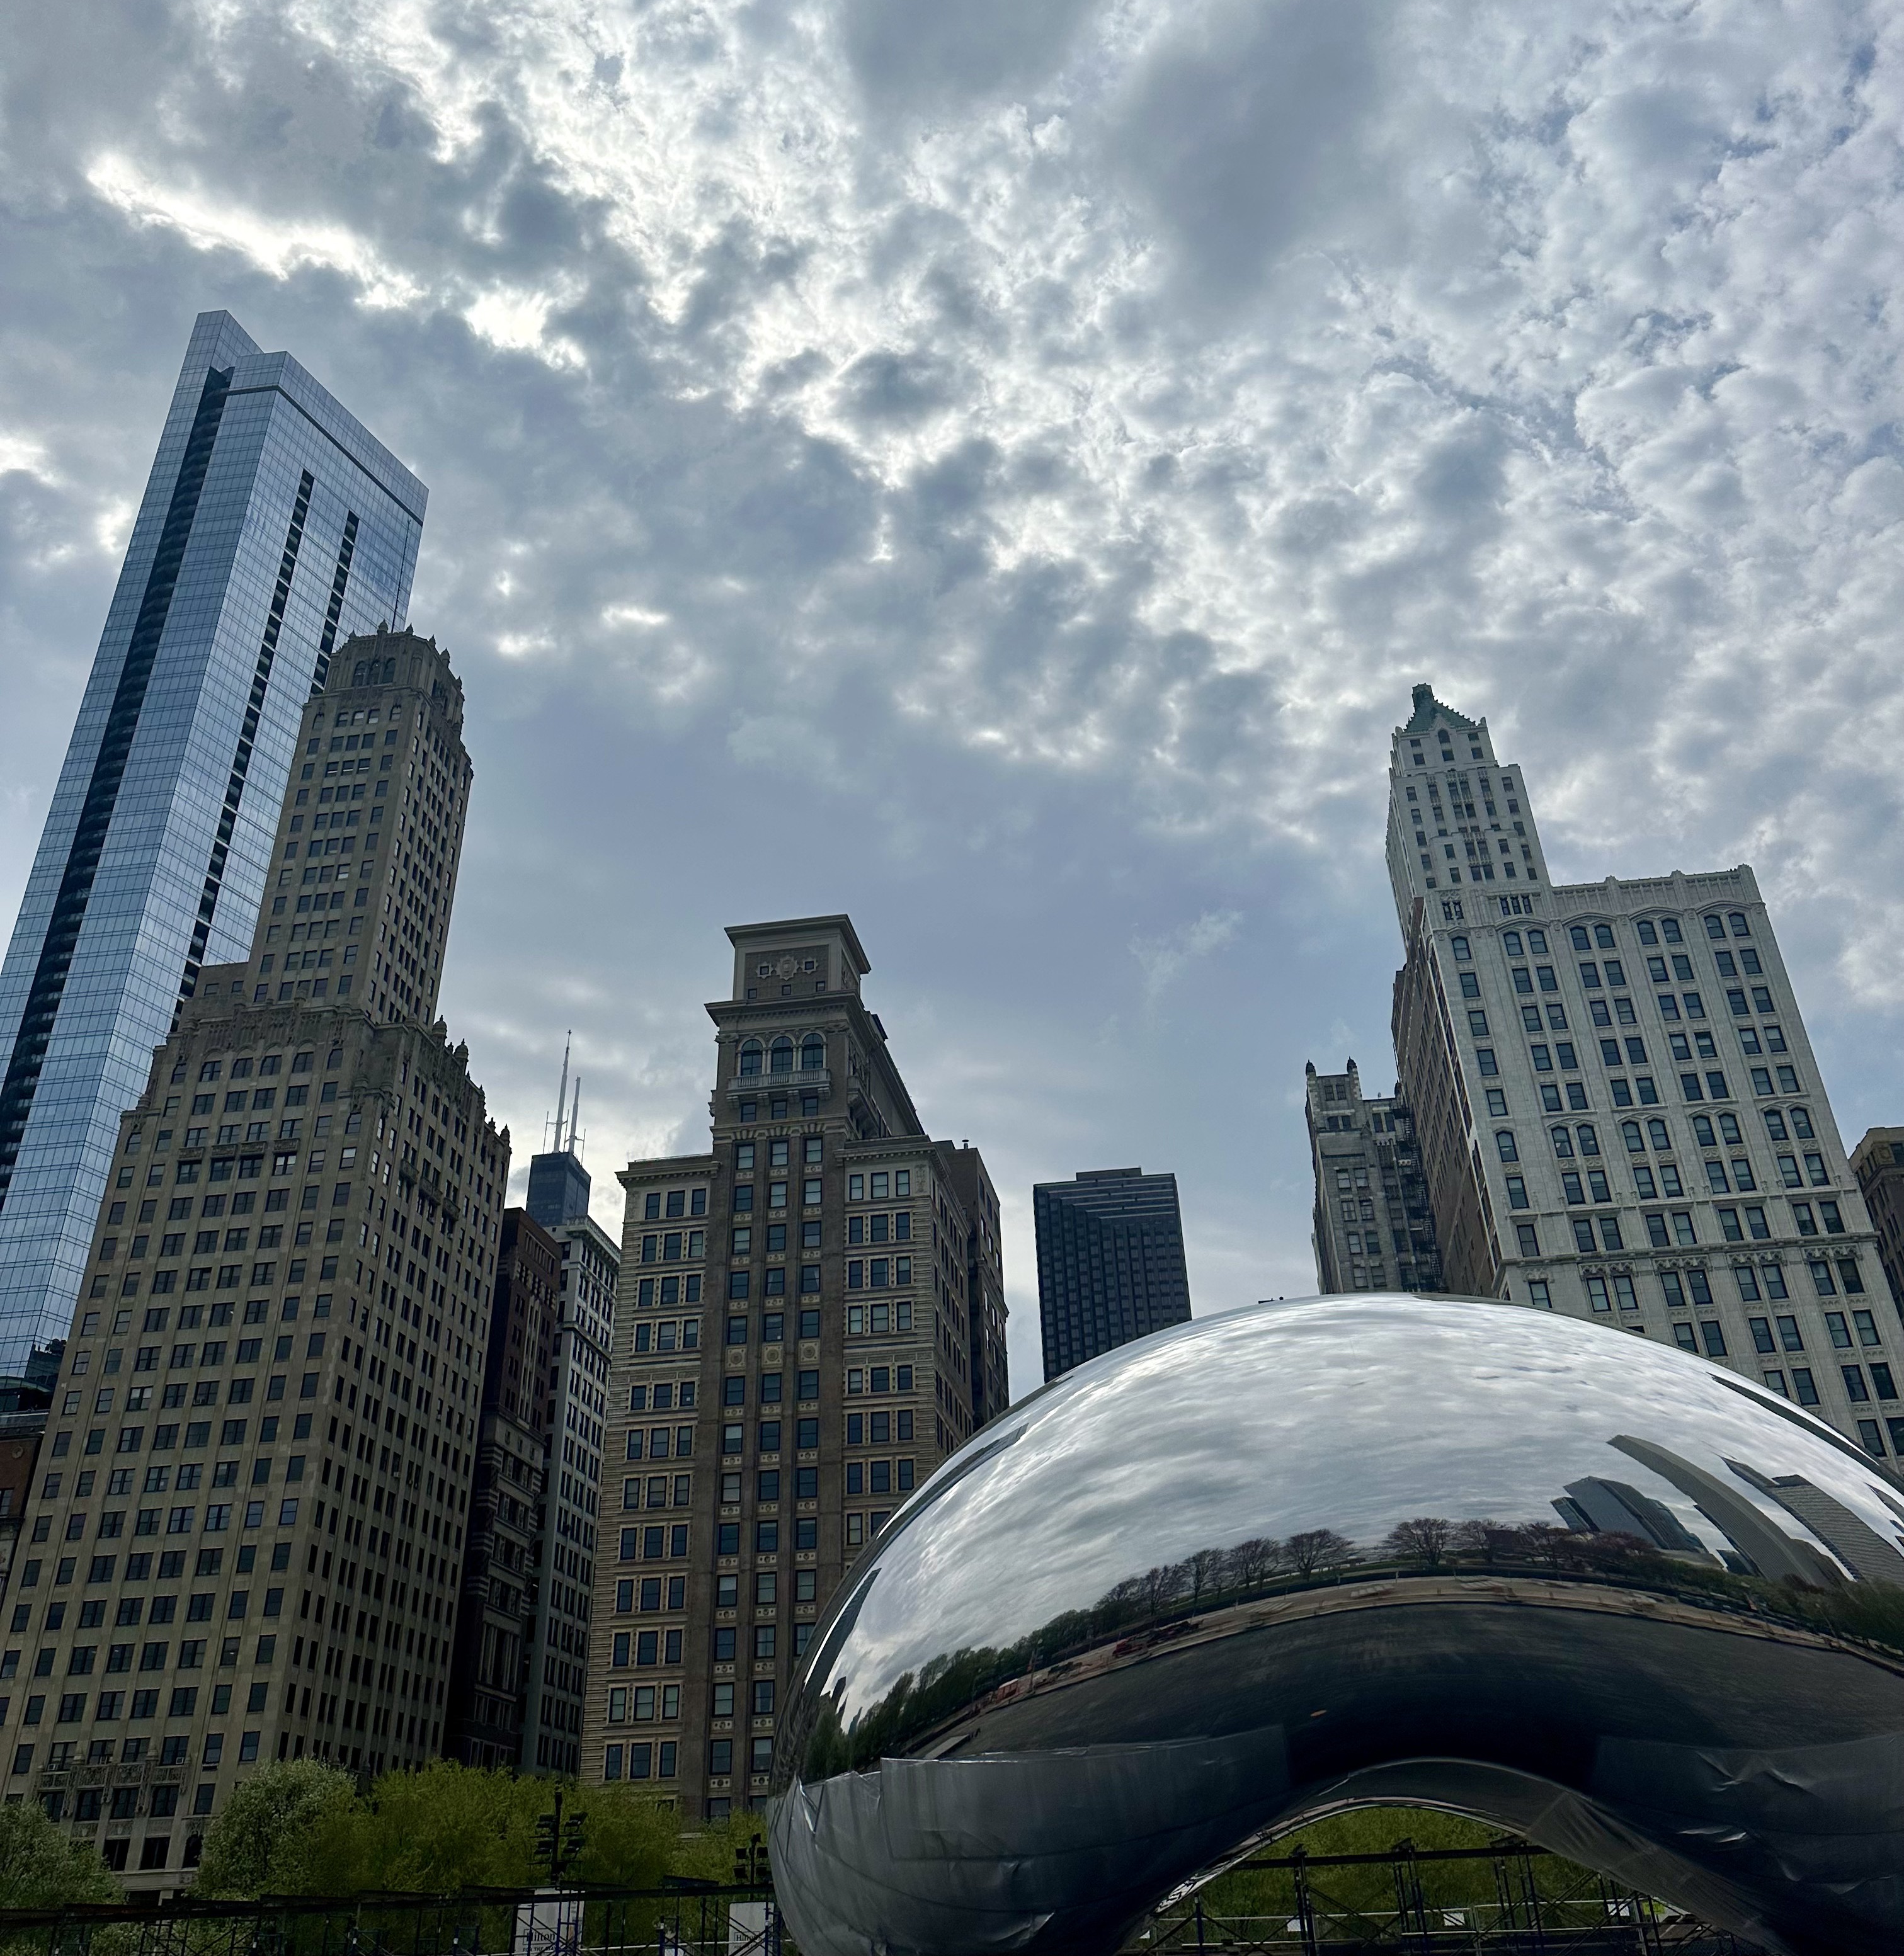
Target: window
x=1477 y=1024
x=1504 y=1143
x=1803 y=1387
x=1713 y=1335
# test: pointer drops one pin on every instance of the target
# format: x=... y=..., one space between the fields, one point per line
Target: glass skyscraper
x=273 y=526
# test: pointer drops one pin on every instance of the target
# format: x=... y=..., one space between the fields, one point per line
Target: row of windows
x=646 y=1761
x=1754 y=1226
x=1692 y=1286
x=175 y=1751
x=679 y=1202
x=778 y=1056
x=1600 y=936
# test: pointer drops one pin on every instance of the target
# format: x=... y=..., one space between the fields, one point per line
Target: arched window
x=1740 y=927
x=1504 y=1140
x=1577 y=934
x=1563 y=1143
x=780 y=1059
x=1657 y=1134
x=1802 y=1124
x=1716 y=926
x=1630 y=1133
x=813 y=1053
x=1459 y=947
x=750 y=1056
x=1590 y=1142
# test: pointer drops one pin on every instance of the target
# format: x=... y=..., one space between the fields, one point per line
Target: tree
x=1317 y=1551
x=1207 y=1569
x=1254 y=1561
x=43 y=1867
x=1161 y=1587
x=264 y=1841
x=1425 y=1539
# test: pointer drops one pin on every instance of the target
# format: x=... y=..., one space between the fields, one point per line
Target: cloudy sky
x=997 y=469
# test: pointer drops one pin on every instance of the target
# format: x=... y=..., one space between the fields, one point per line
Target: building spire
x=575 y=1122
x=562 y=1091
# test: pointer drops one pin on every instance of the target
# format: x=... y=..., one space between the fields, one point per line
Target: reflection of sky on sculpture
x=1351 y=1414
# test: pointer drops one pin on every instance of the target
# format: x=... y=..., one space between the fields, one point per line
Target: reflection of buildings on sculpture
x=1373 y=1228
x=811 y=1317
x=1620 y=1115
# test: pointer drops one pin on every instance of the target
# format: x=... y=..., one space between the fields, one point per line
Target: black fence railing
x=1506 y=1899
x=1509 y=1898
x=684 y=1918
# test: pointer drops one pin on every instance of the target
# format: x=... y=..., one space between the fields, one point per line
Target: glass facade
x=273 y=525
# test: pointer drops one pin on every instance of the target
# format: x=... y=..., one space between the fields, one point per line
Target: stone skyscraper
x=1620 y=1115
x=1110 y=1262
x=247 y=1539
x=273 y=525
x=1373 y=1227
x=794 y=1354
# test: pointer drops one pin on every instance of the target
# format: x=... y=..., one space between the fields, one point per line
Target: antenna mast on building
x=575 y=1122
x=562 y=1092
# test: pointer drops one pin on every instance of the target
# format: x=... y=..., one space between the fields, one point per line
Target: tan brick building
x=795 y=1351
x=246 y=1537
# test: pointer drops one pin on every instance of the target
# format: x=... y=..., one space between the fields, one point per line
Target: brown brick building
x=795 y=1352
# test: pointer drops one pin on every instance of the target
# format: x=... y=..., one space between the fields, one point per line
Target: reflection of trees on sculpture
x=1143 y=1611
x=1316 y=1551
x=1427 y=1538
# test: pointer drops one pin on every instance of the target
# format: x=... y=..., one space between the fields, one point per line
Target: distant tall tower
x=273 y=523
x=1620 y=1116
x=1110 y=1262
x=577 y=1405
x=558 y=1184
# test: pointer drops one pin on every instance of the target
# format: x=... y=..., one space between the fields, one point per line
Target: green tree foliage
x=262 y=1843
x=303 y=1829
x=42 y=1867
x=1261 y=1893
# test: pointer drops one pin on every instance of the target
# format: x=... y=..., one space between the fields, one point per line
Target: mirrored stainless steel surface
x=1350 y=1550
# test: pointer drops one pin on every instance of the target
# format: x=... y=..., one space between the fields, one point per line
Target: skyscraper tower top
x=369 y=837
x=1457 y=817
x=273 y=525
x=558 y=1184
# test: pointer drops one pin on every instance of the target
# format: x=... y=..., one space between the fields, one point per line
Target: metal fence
x=685 y=1918
x=1507 y=1899
x=1502 y=1900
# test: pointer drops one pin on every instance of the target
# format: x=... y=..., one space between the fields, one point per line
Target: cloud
x=998 y=470
x=1163 y=959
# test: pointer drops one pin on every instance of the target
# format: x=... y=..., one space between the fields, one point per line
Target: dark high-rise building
x=489 y=1679
x=1110 y=1262
x=793 y=1355
x=577 y=1405
x=558 y=1184
x=1374 y=1228
x=261 y=1444
x=273 y=525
